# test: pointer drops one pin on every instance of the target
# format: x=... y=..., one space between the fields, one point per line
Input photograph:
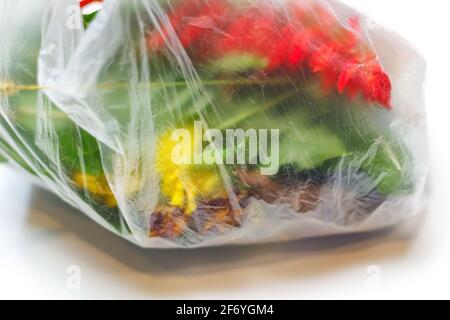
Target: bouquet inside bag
x=207 y=122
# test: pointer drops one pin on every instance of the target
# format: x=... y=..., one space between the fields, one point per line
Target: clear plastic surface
x=211 y=122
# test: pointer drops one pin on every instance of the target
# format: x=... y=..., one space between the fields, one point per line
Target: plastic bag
x=190 y=123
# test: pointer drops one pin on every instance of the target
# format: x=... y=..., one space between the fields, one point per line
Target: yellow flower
x=97 y=186
x=184 y=184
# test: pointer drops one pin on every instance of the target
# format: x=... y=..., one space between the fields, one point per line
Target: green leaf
x=370 y=141
x=10 y=152
x=238 y=62
x=79 y=151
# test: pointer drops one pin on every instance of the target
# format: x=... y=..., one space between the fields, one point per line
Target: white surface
x=40 y=237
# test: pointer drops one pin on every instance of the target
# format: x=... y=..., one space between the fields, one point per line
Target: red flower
x=197 y=24
x=253 y=31
x=290 y=39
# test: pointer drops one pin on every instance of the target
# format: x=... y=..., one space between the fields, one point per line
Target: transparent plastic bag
x=190 y=123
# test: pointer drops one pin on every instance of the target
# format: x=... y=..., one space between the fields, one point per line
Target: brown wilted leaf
x=167 y=222
x=306 y=198
x=218 y=215
x=302 y=196
x=262 y=187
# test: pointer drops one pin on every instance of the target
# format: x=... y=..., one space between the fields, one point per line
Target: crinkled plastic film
x=90 y=109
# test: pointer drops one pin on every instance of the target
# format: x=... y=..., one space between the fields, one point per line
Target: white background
x=40 y=237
